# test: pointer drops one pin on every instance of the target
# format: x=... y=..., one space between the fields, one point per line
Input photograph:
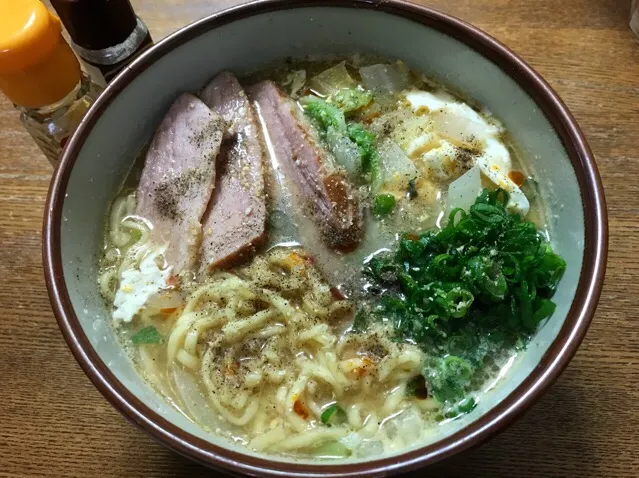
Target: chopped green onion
x=383 y=204
x=459 y=302
x=332 y=415
x=544 y=308
x=450 y=378
x=467 y=292
x=465 y=406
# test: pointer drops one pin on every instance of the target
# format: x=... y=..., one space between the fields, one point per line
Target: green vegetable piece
x=328 y=116
x=333 y=415
x=366 y=142
x=383 y=204
x=147 y=335
x=352 y=100
x=325 y=114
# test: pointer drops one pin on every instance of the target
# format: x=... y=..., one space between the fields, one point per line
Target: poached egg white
x=138 y=285
x=454 y=127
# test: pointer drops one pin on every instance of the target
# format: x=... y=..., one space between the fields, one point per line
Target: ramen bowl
x=243 y=39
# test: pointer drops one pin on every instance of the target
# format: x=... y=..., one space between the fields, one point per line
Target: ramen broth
x=298 y=348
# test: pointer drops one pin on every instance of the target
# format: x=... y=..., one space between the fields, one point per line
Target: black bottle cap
x=96 y=24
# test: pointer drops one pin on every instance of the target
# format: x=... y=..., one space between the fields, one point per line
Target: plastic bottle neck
x=59 y=107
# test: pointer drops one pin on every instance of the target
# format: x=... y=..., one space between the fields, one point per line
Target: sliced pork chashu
x=235 y=220
x=322 y=188
x=178 y=178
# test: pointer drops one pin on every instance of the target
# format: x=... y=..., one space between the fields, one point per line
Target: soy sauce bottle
x=106 y=34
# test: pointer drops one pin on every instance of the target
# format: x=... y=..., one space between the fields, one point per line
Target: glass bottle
x=41 y=76
x=106 y=34
x=51 y=126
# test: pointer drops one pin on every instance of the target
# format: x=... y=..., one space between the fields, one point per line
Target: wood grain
x=54 y=423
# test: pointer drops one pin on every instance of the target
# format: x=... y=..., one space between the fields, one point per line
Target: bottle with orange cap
x=41 y=76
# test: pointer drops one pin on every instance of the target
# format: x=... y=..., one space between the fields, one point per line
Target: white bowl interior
x=244 y=45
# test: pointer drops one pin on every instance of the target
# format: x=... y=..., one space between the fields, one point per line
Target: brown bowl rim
x=503 y=414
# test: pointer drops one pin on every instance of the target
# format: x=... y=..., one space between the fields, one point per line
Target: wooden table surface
x=54 y=423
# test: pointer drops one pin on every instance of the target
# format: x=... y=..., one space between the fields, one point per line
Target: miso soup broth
x=327 y=259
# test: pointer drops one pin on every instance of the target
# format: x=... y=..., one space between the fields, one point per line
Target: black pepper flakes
x=168 y=194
